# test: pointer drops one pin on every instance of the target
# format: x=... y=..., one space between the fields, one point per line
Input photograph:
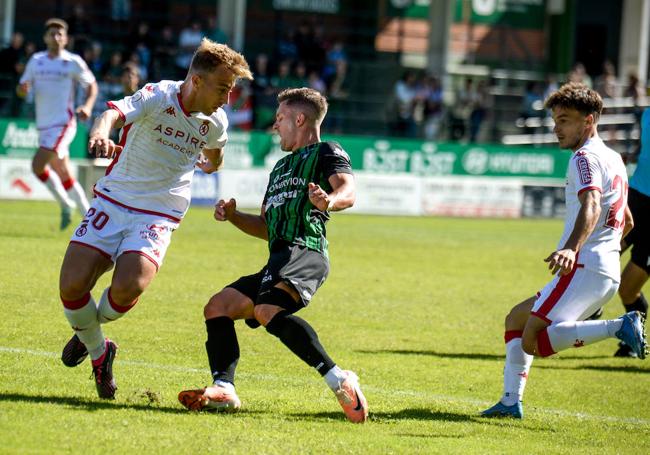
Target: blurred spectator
x=405 y=98
x=337 y=95
x=286 y=47
x=165 y=51
x=134 y=59
x=188 y=40
x=300 y=75
x=480 y=102
x=93 y=57
x=334 y=55
x=141 y=41
x=578 y=73
x=239 y=109
x=460 y=111
x=11 y=69
x=283 y=79
x=263 y=94
x=214 y=32
x=79 y=28
x=120 y=10
x=314 y=81
x=607 y=86
x=113 y=69
x=433 y=108
x=531 y=104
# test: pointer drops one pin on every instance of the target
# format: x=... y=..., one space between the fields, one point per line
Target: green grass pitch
x=414 y=305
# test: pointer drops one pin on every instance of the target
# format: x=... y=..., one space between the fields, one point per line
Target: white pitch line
x=412 y=393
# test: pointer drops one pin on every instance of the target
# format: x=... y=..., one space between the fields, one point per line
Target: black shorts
x=298 y=266
x=639 y=236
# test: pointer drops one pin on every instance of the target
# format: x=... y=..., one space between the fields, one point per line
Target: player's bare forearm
x=254 y=225
x=91 y=96
x=343 y=193
x=109 y=119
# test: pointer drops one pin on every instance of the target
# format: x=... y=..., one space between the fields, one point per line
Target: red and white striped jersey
x=597 y=167
x=53 y=83
x=161 y=140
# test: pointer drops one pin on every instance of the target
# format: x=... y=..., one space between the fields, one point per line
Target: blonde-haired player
x=52 y=75
x=168 y=128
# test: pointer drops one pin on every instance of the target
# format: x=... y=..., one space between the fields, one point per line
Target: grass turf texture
x=413 y=305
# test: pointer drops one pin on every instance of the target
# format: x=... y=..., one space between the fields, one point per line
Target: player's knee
x=72 y=287
x=628 y=293
x=528 y=345
x=125 y=293
x=516 y=319
x=216 y=306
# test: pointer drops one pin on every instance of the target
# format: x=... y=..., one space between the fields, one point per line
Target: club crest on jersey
x=171 y=111
x=81 y=231
x=204 y=128
x=583 y=170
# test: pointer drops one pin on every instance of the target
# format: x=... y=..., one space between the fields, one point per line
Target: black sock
x=301 y=338
x=640 y=304
x=222 y=348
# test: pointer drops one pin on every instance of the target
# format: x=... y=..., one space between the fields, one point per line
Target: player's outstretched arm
x=342 y=196
x=99 y=142
x=85 y=110
x=563 y=260
x=254 y=225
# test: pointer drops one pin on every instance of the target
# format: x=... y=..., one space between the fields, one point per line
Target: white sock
x=515 y=372
x=84 y=323
x=230 y=387
x=334 y=377
x=53 y=183
x=107 y=312
x=568 y=334
x=76 y=193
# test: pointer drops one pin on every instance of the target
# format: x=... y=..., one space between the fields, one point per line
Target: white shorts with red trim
x=58 y=138
x=113 y=230
x=574 y=297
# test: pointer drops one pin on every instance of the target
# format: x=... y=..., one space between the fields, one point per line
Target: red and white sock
x=53 y=183
x=82 y=316
x=108 y=310
x=564 y=335
x=515 y=371
x=76 y=193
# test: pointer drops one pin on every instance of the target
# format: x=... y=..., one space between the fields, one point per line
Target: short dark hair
x=311 y=101
x=55 y=22
x=575 y=95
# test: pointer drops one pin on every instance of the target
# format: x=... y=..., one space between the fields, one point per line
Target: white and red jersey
x=161 y=140
x=597 y=167
x=53 y=82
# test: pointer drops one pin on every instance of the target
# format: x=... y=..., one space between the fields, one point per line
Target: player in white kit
x=168 y=128
x=586 y=261
x=53 y=76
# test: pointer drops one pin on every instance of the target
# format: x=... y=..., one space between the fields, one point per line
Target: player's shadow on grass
x=382 y=416
x=615 y=369
x=86 y=404
x=461 y=355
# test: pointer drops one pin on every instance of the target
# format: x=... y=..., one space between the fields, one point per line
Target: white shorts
x=574 y=297
x=58 y=138
x=113 y=230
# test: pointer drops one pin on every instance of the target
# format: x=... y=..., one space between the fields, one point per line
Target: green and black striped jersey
x=290 y=216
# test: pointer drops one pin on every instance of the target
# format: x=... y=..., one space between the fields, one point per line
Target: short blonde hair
x=312 y=103
x=55 y=22
x=209 y=55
